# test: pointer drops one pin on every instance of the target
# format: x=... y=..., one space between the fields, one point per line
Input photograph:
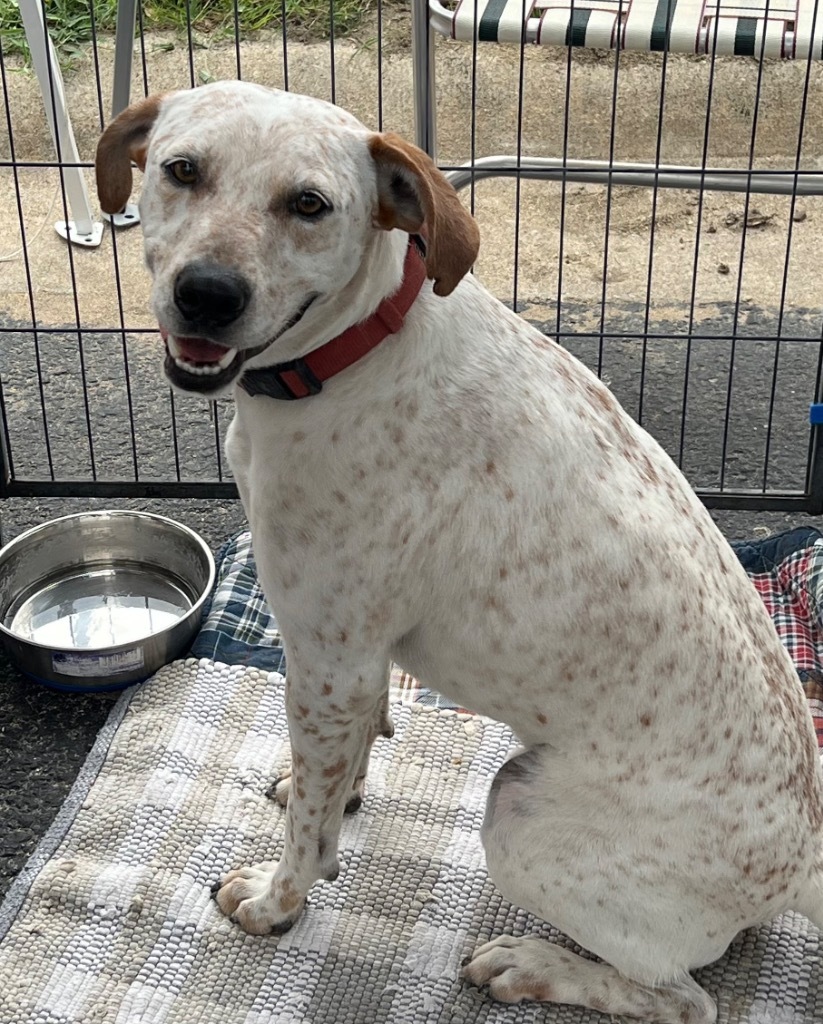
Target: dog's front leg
x=331 y=714
x=381 y=725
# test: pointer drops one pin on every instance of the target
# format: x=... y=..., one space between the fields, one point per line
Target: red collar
x=300 y=378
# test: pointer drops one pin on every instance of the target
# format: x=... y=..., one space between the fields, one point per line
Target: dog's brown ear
x=412 y=194
x=124 y=140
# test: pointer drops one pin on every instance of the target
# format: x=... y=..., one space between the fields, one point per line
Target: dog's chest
x=336 y=508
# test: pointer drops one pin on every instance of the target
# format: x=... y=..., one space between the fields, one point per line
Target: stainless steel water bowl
x=99 y=600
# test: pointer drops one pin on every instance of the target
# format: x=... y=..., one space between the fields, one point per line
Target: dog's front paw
x=258 y=901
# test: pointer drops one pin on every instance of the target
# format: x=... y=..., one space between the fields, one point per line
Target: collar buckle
x=274 y=382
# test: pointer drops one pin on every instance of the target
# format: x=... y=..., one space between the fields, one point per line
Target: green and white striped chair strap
x=771 y=28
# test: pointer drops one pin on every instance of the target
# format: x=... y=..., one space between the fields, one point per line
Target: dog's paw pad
x=353 y=804
x=283 y=926
x=279 y=790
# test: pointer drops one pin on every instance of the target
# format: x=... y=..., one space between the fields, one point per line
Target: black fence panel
x=655 y=209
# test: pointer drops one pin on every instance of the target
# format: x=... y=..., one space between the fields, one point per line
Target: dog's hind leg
x=810 y=901
x=532 y=968
x=559 y=844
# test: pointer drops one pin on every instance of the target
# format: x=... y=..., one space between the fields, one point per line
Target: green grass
x=70 y=21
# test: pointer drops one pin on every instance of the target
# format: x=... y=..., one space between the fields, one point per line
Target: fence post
x=6 y=467
x=123 y=47
x=84 y=229
x=815 y=472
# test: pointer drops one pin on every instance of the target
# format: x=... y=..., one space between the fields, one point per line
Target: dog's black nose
x=210 y=295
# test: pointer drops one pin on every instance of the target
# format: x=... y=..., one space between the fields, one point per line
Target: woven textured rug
x=111 y=922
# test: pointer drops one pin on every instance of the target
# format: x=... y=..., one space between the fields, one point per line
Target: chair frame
x=431 y=19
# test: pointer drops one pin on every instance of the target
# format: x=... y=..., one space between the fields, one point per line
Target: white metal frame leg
x=83 y=230
x=121 y=91
x=425 y=128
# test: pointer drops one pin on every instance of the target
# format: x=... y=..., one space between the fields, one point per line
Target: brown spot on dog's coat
x=336 y=769
x=289 y=899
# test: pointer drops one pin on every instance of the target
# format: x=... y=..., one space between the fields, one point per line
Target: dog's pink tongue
x=197 y=350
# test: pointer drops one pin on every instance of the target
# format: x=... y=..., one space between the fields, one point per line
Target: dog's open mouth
x=200 y=356
x=199 y=364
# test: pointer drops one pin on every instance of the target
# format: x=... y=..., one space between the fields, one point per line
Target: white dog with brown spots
x=429 y=480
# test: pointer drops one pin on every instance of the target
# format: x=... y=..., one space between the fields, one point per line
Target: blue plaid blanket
x=238 y=628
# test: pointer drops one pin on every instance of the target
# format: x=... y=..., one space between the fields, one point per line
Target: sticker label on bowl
x=93 y=665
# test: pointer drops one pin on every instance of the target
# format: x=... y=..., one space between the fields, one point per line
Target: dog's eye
x=183 y=171
x=311 y=204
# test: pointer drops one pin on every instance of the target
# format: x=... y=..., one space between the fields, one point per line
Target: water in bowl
x=100 y=607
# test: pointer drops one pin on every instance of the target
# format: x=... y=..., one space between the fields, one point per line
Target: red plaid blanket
x=787 y=570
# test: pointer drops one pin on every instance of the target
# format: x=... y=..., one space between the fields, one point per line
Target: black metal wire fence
x=672 y=243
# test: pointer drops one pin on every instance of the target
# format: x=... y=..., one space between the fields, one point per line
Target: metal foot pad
x=88 y=239
x=126 y=218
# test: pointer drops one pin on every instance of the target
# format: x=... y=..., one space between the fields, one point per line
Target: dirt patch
x=579 y=243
